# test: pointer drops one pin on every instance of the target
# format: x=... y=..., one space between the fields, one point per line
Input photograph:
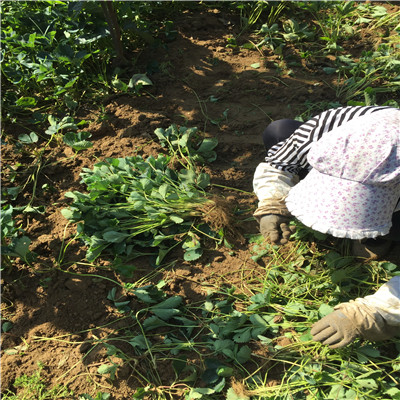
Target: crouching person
x=339 y=174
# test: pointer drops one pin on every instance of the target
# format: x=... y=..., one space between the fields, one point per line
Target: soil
x=57 y=310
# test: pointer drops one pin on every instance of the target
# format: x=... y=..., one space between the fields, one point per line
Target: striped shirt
x=291 y=155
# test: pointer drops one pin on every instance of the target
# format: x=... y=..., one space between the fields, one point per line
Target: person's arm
x=274 y=177
x=375 y=317
x=386 y=301
x=271 y=186
x=272 y=182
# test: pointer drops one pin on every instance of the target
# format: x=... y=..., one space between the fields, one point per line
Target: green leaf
x=207 y=145
x=108 y=369
x=329 y=70
x=366 y=353
x=260 y=300
x=149 y=294
x=119 y=85
x=232 y=395
x=324 y=310
x=219 y=385
x=306 y=337
x=210 y=375
x=339 y=275
x=71 y=214
x=176 y=219
x=174 y=301
x=39 y=209
x=18 y=248
x=388 y=266
x=225 y=371
x=140 y=79
x=255 y=65
x=220 y=345
x=28 y=139
x=162 y=136
x=203 y=180
x=162 y=252
x=153 y=323
x=165 y=314
x=197 y=393
x=167 y=308
x=70 y=102
x=335 y=260
x=68 y=123
x=164 y=189
x=13 y=192
x=243 y=336
x=179 y=365
x=77 y=140
x=258 y=321
x=140 y=342
x=6 y=326
x=27 y=102
x=115 y=237
x=243 y=354
x=367 y=383
x=192 y=254
x=394 y=393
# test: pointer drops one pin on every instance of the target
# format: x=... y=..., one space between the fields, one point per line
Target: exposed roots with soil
x=218 y=214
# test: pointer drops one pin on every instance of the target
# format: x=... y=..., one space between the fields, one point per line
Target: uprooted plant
x=137 y=206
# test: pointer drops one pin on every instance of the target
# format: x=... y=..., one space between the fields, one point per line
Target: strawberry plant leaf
x=232 y=395
x=153 y=323
x=19 y=247
x=225 y=371
x=108 y=369
x=174 y=301
x=243 y=335
x=77 y=140
x=140 y=342
x=28 y=139
x=139 y=79
x=26 y=102
x=243 y=354
x=193 y=254
x=115 y=237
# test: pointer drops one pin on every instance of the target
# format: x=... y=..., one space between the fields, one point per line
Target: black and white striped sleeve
x=291 y=154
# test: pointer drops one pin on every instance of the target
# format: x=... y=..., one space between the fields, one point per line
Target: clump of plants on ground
x=136 y=206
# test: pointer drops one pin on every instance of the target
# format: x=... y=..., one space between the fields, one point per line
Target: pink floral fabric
x=354 y=186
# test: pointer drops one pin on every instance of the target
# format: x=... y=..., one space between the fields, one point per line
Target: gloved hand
x=335 y=330
x=349 y=321
x=276 y=228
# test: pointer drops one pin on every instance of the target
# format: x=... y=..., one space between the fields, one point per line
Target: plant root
x=218 y=214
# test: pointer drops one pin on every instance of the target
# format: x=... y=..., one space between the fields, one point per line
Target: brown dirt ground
x=56 y=312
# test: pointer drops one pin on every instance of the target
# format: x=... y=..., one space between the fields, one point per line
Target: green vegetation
x=225 y=334
x=244 y=341
x=35 y=388
x=137 y=204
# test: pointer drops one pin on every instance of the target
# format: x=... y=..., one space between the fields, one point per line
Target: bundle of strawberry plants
x=137 y=207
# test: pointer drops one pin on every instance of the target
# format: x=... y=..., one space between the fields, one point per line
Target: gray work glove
x=349 y=321
x=276 y=228
x=335 y=330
